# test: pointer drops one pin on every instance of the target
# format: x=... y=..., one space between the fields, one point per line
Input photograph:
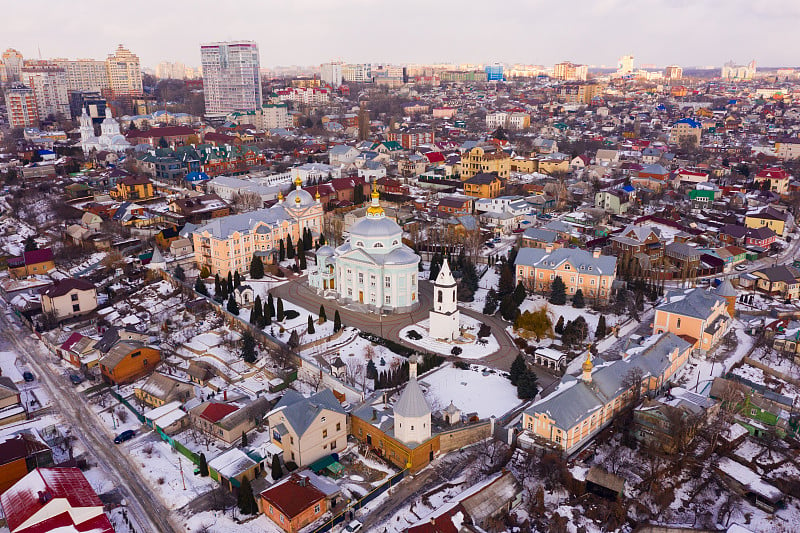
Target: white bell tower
x=87 y=131
x=445 y=317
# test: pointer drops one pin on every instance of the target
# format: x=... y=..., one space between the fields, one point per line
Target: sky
x=310 y=32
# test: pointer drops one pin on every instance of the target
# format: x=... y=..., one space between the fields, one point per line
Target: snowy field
x=470 y=348
x=463 y=387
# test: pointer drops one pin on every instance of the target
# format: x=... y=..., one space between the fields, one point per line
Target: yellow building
x=550 y=166
x=528 y=165
x=485 y=159
x=483 y=186
x=577 y=93
x=227 y=244
x=696 y=314
x=686 y=129
x=769 y=217
x=133 y=188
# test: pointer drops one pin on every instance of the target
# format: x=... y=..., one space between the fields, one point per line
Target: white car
x=353 y=526
x=740 y=267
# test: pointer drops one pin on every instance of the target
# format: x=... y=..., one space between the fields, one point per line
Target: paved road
x=145 y=507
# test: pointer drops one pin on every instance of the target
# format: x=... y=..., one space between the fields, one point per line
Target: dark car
x=28 y=376
x=125 y=435
x=489 y=245
x=75 y=379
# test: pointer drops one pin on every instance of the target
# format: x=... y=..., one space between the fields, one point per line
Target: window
x=360 y=278
x=388 y=299
x=76 y=308
x=282 y=515
x=316 y=509
x=270 y=509
x=360 y=244
x=333 y=445
x=439 y=297
x=74 y=297
x=338 y=426
x=350 y=292
x=378 y=245
x=322 y=419
x=679 y=322
x=412 y=428
x=388 y=281
x=324 y=433
x=291 y=440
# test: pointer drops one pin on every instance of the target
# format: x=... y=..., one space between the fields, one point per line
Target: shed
x=604 y=484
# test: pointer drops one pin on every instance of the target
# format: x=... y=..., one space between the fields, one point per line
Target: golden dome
x=587 y=365
x=375 y=209
x=298 y=182
x=280 y=196
x=375 y=193
x=317 y=196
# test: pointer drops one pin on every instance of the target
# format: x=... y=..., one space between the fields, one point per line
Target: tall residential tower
x=231 y=78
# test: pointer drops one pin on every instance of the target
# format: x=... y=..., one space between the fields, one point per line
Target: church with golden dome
x=372 y=268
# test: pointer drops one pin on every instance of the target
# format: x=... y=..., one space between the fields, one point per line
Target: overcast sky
x=309 y=32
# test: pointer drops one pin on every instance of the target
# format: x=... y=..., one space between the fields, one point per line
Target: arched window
x=378 y=245
x=359 y=243
x=440 y=297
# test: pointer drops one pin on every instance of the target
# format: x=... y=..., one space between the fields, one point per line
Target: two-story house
x=590 y=272
x=69 y=297
x=133 y=188
x=697 y=314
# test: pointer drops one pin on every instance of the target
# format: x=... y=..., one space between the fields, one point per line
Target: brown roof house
x=69 y=297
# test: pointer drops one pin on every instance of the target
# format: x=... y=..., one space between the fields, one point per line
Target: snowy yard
x=477 y=390
x=470 y=347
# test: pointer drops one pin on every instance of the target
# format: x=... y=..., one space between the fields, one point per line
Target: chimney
x=225 y=395
x=548 y=249
x=412 y=366
x=596 y=253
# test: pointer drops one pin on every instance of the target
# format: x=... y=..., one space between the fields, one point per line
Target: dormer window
x=360 y=244
x=378 y=245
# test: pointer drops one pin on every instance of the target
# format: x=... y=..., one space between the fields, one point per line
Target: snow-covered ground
x=471 y=349
x=219 y=522
x=463 y=388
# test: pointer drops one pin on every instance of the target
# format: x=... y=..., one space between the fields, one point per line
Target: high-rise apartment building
x=84 y=74
x=331 y=73
x=732 y=71
x=49 y=84
x=12 y=64
x=570 y=71
x=231 y=78
x=170 y=71
x=357 y=73
x=494 y=72
x=625 y=66
x=124 y=73
x=673 y=72
x=21 y=106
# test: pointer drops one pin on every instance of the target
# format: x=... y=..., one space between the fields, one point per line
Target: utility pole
x=180 y=465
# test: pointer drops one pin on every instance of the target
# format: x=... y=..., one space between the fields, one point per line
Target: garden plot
x=478 y=390
x=471 y=348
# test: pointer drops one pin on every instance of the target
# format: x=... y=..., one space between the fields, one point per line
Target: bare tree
x=247 y=201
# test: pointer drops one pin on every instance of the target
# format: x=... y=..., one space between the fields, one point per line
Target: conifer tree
x=256 y=268
x=558 y=292
x=289 y=247
x=322 y=317
x=311 y=330
x=337 y=322
x=246 y=500
x=600 y=332
x=280 y=316
x=577 y=300
x=232 y=306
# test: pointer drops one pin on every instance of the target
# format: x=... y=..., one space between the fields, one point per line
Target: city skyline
x=308 y=33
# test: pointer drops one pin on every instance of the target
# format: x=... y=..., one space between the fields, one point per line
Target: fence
x=342 y=516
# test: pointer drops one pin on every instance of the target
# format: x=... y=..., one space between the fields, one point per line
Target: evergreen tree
x=577 y=300
x=230 y=283
x=180 y=274
x=558 y=292
x=506 y=284
x=518 y=367
x=217 y=287
x=280 y=316
x=508 y=310
x=575 y=332
x=372 y=370
x=237 y=280
x=600 y=332
x=270 y=306
x=204 y=272
x=232 y=306
x=266 y=319
x=519 y=294
x=244 y=440
x=337 y=322
x=434 y=271
x=308 y=240
x=223 y=291
x=203 y=465
x=277 y=471
x=302 y=255
x=322 y=317
x=527 y=385
x=311 y=330
x=256 y=268
x=246 y=500
x=248 y=348
x=256 y=316
x=560 y=325
x=490 y=306
x=289 y=247
x=30 y=244
x=200 y=287
x=282 y=251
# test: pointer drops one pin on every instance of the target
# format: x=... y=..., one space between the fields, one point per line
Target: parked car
x=740 y=268
x=353 y=526
x=489 y=245
x=28 y=376
x=125 y=435
x=75 y=379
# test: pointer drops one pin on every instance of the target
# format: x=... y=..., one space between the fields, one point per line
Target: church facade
x=373 y=267
x=111 y=139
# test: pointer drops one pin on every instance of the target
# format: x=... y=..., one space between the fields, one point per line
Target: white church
x=445 y=318
x=111 y=139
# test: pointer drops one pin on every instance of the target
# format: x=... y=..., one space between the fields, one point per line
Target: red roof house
x=48 y=499
x=294 y=503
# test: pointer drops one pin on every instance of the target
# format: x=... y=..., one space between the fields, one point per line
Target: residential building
x=590 y=272
x=231 y=77
x=54 y=499
x=31 y=263
x=762 y=237
x=160 y=389
x=732 y=71
x=782 y=281
x=172 y=135
x=308 y=429
x=781 y=222
x=686 y=130
x=227 y=422
x=773 y=179
x=582 y=406
x=196 y=209
x=673 y=72
x=615 y=201
x=293 y=503
x=12 y=62
x=331 y=73
x=11 y=409
x=570 y=72
x=234 y=466
x=698 y=315
x=456 y=205
x=666 y=423
x=373 y=267
x=306 y=96
x=133 y=188
x=128 y=361
x=21 y=106
x=21 y=454
x=85 y=74
x=788 y=148
x=228 y=244
x=483 y=185
x=124 y=73
x=69 y=297
x=49 y=84
x=485 y=159
x=635 y=239
x=577 y=92
x=411 y=139
x=267 y=117
x=541 y=238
